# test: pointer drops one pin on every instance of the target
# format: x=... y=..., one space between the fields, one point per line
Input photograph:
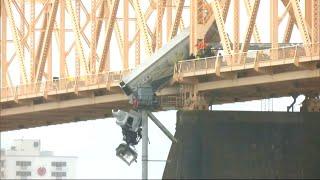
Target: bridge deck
x=246 y=61
x=253 y=75
x=257 y=76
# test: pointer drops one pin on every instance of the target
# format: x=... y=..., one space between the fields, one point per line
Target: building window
x=23 y=173
x=58 y=164
x=2 y=153
x=58 y=174
x=2 y=163
x=35 y=144
x=23 y=163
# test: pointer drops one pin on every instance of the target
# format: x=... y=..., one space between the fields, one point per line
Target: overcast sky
x=94 y=142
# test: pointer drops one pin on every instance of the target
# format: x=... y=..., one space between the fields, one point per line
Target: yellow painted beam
x=104 y=65
x=16 y=40
x=177 y=18
x=77 y=33
x=252 y=21
x=301 y=22
x=142 y=24
x=218 y=13
x=47 y=41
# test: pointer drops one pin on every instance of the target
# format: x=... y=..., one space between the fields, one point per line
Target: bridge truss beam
x=93 y=36
x=72 y=49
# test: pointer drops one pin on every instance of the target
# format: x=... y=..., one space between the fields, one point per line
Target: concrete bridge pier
x=225 y=144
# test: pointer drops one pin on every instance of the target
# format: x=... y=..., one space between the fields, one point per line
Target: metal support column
x=144 y=144
x=162 y=127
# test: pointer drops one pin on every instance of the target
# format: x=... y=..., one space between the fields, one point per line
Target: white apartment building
x=25 y=160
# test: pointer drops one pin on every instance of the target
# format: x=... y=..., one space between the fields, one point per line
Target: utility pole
x=144 y=144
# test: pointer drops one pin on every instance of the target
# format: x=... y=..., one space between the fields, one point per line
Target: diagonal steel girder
x=177 y=19
x=107 y=39
x=250 y=28
x=77 y=33
x=16 y=40
x=47 y=41
x=218 y=13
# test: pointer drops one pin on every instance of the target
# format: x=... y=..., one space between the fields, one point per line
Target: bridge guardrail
x=186 y=66
x=267 y=55
x=64 y=85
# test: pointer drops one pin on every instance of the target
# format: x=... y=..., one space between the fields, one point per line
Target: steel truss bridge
x=57 y=56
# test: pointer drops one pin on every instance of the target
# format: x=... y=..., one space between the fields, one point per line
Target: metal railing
x=171 y=101
x=246 y=58
x=63 y=85
x=72 y=84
